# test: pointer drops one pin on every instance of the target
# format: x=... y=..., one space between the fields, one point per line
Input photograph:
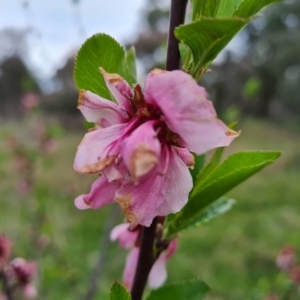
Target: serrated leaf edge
x=122 y=285
x=268 y=161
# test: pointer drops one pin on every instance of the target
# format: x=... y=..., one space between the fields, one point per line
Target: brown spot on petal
x=124 y=203
x=96 y=167
x=111 y=77
x=191 y=162
x=143 y=159
x=232 y=133
x=88 y=203
x=81 y=98
x=157 y=71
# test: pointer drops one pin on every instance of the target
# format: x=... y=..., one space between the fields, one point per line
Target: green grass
x=233 y=254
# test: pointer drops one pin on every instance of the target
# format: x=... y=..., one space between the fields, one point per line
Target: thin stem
x=145 y=261
x=6 y=288
x=177 y=15
x=146 y=257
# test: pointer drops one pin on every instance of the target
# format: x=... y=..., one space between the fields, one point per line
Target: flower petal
x=139 y=201
x=119 y=88
x=165 y=190
x=187 y=111
x=158 y=273
x=95 y=152
x=185 y=155
x=100 y=111
x=102 y=193
x=126 y=237
x=112 y=172
x=130 y=267
x=171 y=249
x=177 y=185
x=141 y=150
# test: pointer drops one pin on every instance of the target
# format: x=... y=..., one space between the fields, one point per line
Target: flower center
x=147 y=112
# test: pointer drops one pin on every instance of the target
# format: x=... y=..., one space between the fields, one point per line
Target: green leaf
x=206 y=38
x=216 y=22
x=194 y=289
x=213 y=163
x=214 y=210
x=131 y=63
x=88 y=125
x=209 y=213
x=242 y=8
x=234 y=170
x=100 y=50
x=228 y=8
x=199 y=164
x=119 y=292
x=186 y=55
x=204 y=8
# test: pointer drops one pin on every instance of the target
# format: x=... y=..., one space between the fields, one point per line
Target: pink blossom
x=29 y=291
x=5 y=249
x=141 y=144
x=295 y=274
x=23 y=187
x=29 y=101
x=286 y=258
x=23 y=272
x=2 y=296
x=271 y=297
x=128 y=239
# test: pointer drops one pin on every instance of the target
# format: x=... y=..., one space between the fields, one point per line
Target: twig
x=146 y=257
x=145 y=261
x=177 y=15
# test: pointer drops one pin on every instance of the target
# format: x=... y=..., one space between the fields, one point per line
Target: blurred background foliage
x=256 y=81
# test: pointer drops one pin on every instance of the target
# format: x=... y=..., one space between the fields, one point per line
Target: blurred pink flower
x=286 y=258
x=5 y=250
x=23 y=187
x=142 y=144
x=29 y=101
x=128 y=239
x=295 y=274
x=23 y=272
x=271 y=297
x=2 y=296
x=48 y=145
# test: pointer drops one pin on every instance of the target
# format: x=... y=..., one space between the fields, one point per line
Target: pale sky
x=59 y=27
